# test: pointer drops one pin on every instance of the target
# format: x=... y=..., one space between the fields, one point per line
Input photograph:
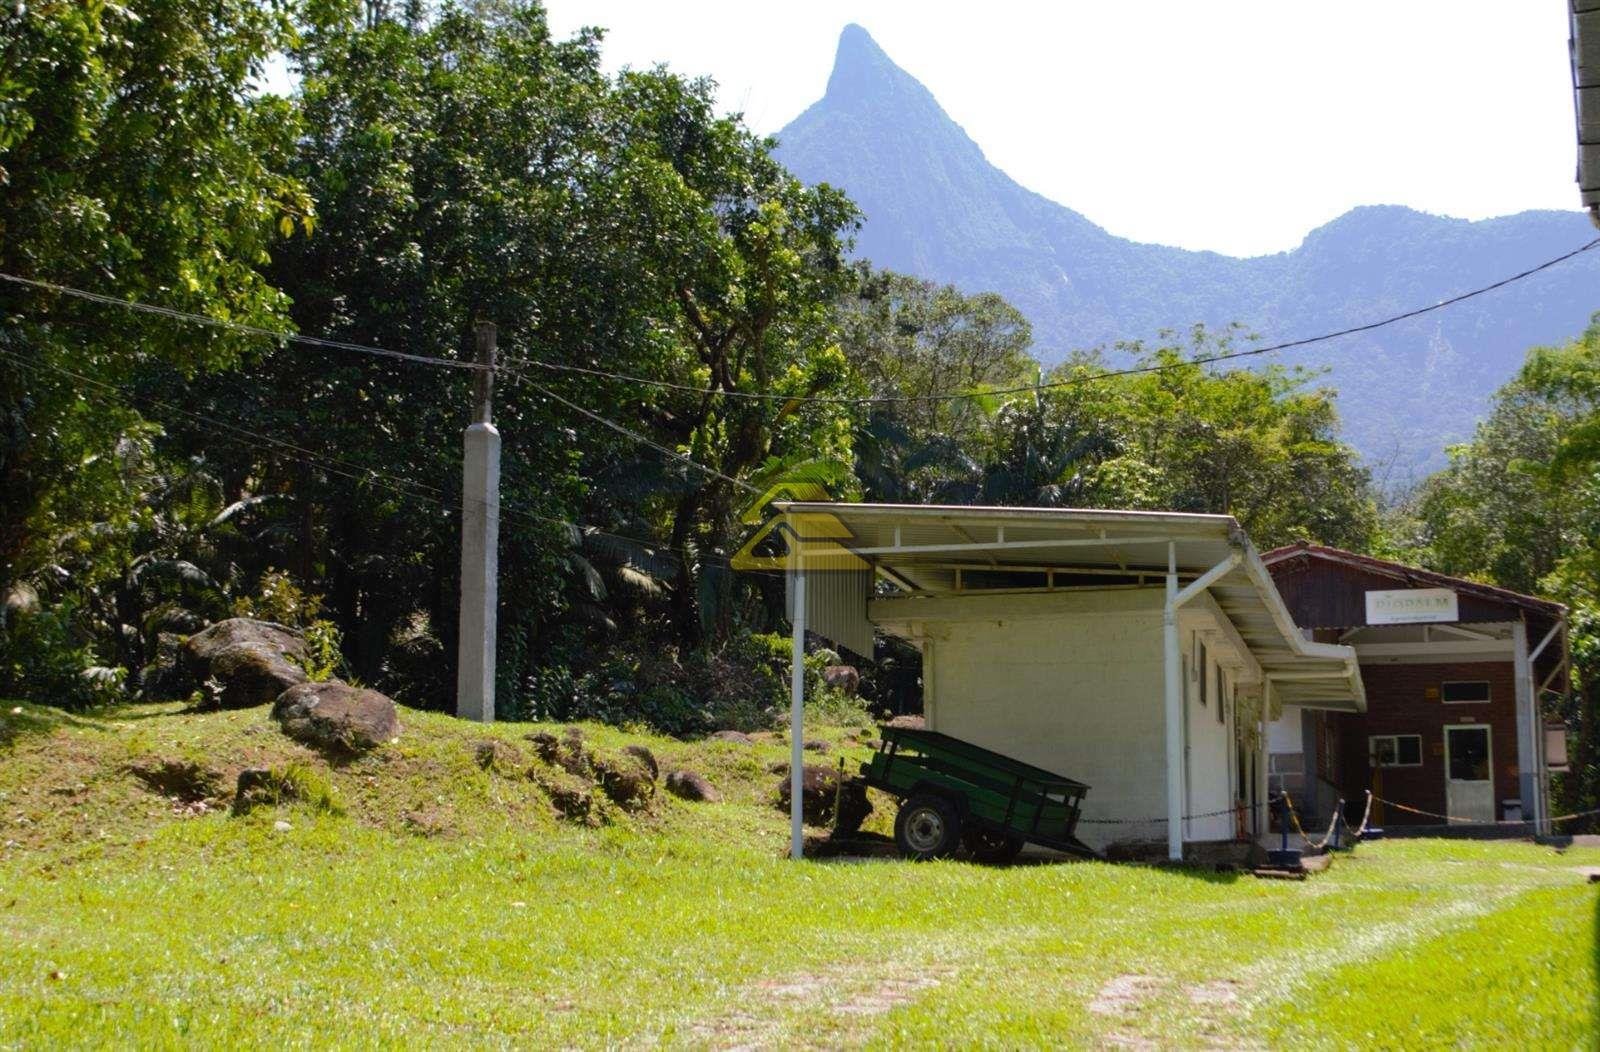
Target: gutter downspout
x=1172 y=662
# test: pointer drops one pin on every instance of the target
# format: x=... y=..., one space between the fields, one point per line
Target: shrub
x=43 y=659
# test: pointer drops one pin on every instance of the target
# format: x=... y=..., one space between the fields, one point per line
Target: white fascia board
x=1298 y=643
x=1183 y=524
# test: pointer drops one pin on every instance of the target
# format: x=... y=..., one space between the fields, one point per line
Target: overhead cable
x=620 y=429
x=239 y=327
x=1071 y=381
x=399 y=484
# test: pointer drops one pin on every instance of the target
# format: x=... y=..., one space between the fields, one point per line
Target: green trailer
x=954 y=794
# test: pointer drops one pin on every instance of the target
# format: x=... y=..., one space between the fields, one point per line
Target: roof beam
x=983 y=548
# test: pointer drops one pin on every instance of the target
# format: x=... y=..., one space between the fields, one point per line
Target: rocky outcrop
x=818 y=786
x=202 y=648
x=336 y=716
x=733 y=737
x=250 y=674
x=692 y=786
x=243 y=662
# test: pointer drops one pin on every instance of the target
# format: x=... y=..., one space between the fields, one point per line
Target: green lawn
x=445 y=904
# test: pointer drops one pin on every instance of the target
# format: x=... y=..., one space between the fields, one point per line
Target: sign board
x=1409 y=606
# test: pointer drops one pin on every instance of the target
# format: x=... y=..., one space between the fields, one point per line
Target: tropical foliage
x=1519 y=506
x=441 y=164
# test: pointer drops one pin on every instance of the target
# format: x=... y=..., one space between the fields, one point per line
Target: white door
x=1469 y=773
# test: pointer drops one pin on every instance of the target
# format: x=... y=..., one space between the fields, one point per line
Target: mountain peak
x=861 y=70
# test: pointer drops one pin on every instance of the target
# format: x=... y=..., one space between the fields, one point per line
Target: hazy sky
x=1231 y=125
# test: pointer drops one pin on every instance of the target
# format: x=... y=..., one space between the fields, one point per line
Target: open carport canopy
x=954 y=550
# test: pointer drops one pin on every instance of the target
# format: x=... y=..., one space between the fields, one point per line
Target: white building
x=1139 y=652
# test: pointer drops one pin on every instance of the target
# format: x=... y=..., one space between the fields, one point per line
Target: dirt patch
x=182 y=780
x=1122 y=993
x=1221 y=993
x=840 y=993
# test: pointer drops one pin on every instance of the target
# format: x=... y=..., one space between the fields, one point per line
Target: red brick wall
x=1397 y=703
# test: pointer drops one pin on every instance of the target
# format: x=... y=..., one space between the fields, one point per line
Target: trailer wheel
x=990 y=847
x=927 y=827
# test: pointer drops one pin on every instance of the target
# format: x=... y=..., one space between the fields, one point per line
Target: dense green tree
x=1259 y=444
x=136 y=160
x=908 y=340
x=1519 y=506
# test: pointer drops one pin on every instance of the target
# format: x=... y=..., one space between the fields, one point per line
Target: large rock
x=818 y=788
x=244 y=662
x=204 y=647
x=337 y=716
x=251 y=674
x=692 y=786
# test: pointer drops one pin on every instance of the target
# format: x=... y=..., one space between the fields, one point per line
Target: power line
x=399 y=484
x=1074 y=381
x=620 y=429
x=239 y=327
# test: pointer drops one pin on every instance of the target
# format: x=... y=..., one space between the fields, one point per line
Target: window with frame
x=1395 y=750
x=1202 y=668
x=1464 y=692
x=1222 y=693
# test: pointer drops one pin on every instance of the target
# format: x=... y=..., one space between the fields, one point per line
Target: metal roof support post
x=1171 y=660
x=1263 y=761
x=1527 y=727
x=797 y=720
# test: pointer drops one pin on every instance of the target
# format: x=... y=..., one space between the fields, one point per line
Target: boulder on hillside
x=818 y=787
x=692 y=786
x=250 y=674
x=243 y=662
x=205 y=646
x=733 y=737
x=843 y=678
x=337 y=716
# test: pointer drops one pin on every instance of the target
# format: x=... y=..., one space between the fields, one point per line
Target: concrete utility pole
x=480 y=544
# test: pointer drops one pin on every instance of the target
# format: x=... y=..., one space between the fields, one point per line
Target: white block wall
x=1075 y=686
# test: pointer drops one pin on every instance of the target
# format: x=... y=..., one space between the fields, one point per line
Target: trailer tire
x=990 y=847
x=928 y=827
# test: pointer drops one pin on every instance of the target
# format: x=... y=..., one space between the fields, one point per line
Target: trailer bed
x=997 y=793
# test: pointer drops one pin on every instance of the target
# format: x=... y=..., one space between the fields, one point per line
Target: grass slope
x=429 y=901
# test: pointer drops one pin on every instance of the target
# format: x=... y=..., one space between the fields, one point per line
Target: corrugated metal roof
x=920 y=548
x=1585 y=49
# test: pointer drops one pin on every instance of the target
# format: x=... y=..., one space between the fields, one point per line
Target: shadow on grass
x=19 y=722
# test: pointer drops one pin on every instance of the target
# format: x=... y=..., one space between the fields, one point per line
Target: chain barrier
x=1237 y=809
x=1453 y=820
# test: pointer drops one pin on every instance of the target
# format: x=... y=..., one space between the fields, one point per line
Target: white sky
x=1236 y=126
